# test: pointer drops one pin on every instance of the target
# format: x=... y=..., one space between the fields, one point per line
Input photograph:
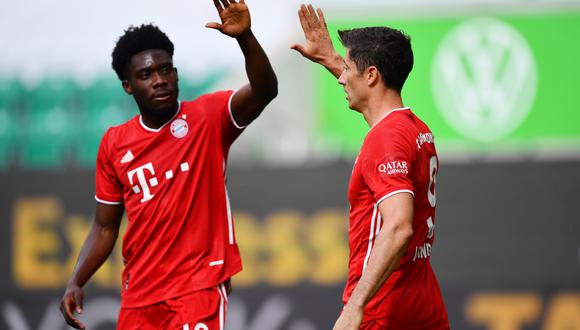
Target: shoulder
x=211 y=98
x=396 y=134
x=119 y=132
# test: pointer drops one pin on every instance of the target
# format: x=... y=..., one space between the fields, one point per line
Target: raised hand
x=318 y=47
x=235 y=18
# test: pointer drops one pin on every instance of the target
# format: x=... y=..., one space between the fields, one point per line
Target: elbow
x=272 y=91
x=404 y=234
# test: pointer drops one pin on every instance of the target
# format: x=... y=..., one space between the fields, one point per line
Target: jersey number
x=432 y=178
x=431 y=196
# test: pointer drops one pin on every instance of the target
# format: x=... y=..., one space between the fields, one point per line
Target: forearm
x=96 y=249
x=261 y=76
x=389 y=247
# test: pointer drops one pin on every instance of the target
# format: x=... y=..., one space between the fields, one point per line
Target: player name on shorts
x=424 y=138
x=422 y=251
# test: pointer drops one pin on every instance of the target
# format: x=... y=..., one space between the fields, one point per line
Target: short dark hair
x=385 y=48
x=136 y=40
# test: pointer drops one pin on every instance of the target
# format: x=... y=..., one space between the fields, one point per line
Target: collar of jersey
x=156 y=130
x=388 y=113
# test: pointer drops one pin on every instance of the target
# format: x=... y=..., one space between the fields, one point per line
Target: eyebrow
x=151 y=66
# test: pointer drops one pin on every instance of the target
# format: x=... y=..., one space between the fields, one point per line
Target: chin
x=352 y=106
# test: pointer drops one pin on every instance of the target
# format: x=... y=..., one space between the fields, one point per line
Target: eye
x=167 y=69
x=144 y=74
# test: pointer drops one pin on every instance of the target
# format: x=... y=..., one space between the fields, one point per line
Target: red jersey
x=397 y=156
x=171 y=180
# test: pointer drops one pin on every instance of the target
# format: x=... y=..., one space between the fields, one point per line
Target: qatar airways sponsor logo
x=424 y=138
x=394 y=167
x=146 y=179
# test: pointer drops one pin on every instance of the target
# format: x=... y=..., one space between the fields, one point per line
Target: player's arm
x=248 y=102
x=318 y=47
x=95 y=250
x=390 y=245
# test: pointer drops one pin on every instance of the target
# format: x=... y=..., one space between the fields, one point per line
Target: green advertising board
x=494 y=84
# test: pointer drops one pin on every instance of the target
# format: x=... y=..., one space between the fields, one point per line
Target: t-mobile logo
x=144 y=184
x=140 y=171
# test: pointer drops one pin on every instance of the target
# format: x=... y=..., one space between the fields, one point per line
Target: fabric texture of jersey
x=200 y=310
x=179 y=236
x=397 y=156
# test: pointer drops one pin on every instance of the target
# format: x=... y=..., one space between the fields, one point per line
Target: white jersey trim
x=388 y=113
x=106 y=202
x=371 y=236
x=230 y=219
x=394 y=193
x=157 y=130
x=231 y=114
x=222 y=307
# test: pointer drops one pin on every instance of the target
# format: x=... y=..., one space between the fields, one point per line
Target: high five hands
x=235 y=18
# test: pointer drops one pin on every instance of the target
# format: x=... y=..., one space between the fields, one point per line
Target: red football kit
x=397 y=156
x=171 y=180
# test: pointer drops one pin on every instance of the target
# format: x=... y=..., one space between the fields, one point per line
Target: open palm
x=318 y=43
x=235 y=17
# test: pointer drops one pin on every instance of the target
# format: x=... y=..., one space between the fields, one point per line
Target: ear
x=127 y=87
x=373 y=76
x=176 y=74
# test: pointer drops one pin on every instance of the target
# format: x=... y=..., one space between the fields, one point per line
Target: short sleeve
x=218 y=105
x=108 y=186
x=387 y=166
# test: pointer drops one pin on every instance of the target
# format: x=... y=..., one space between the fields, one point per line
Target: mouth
x=162 y=96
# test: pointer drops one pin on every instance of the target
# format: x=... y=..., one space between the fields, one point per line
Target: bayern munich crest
x=179 y=128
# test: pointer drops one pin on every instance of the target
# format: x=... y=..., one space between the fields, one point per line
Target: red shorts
x=199 y=310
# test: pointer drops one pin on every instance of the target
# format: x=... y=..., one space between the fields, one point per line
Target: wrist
x=331 y=59
x=355 y=304
x=245 y=36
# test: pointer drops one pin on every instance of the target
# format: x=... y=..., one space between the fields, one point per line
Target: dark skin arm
x=251 y=99
x=95 y=251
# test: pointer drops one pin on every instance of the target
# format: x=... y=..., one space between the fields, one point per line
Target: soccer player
x=391 y=192
x=166 y=168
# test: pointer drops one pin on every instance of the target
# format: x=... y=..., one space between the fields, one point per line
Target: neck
x=381 y=104
x=156 y=119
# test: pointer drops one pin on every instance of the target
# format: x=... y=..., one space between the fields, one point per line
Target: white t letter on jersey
x=142 y=181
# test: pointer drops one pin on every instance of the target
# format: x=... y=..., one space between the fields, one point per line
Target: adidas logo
x=127 y=158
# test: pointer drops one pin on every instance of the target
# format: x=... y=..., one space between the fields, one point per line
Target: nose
x=342 y=79
x=158 y=79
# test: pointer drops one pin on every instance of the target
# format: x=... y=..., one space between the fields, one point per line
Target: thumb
x=214 y=25
x=79 y=301
x=299 y=48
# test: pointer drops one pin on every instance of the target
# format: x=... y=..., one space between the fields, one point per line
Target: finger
x=321 y=17
x=299 y=48
x=214 y=25
x=218 y=6
x=312 y=14
x=302 y=14
x=225 y=3
x=66 y=310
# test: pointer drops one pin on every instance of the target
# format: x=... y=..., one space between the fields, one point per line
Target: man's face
x=353 y=82
x=152 y=80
